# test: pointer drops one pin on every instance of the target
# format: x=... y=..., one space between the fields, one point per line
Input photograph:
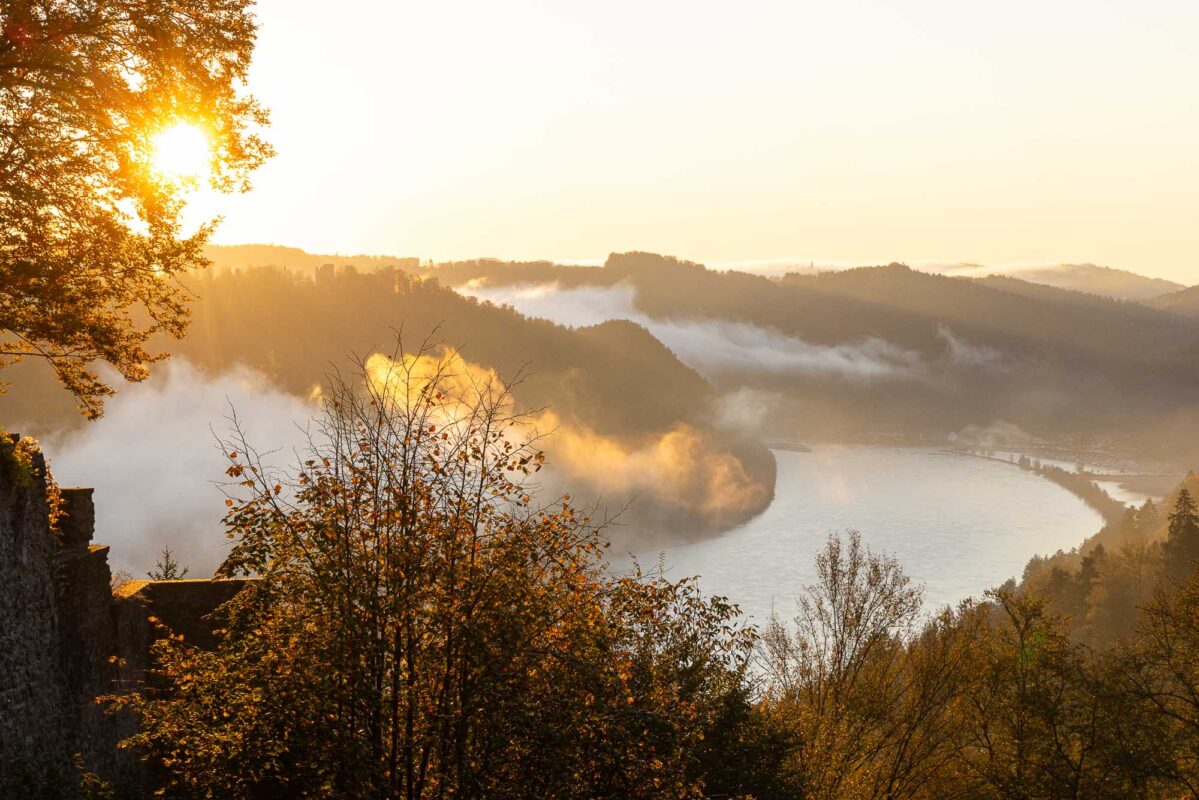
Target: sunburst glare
x=181 y=151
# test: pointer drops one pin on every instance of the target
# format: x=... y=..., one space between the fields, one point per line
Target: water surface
x=957 y=523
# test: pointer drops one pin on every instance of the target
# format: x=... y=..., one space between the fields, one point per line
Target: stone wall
x=64 y=635
x=31 y=686
x=86 y=636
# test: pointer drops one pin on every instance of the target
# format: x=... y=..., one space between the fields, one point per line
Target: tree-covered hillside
x=893 y=350
x=1184 y=302
x=611 y=389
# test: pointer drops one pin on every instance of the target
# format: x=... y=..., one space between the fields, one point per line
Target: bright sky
x=851 y=131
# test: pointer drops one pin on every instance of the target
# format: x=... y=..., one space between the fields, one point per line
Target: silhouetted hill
x=1000 y=317
x=893 y=350
x=457 y=273
x=1184 y=302
x=1119 y=284
x=299 y=327
x=241 y=256
x=1039 y=291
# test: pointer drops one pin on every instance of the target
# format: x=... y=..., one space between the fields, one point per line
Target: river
x=958 y=524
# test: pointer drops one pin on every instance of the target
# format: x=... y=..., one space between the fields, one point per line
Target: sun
x=181 y=152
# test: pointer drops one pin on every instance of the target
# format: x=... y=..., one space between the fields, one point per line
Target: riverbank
x=1081 y=484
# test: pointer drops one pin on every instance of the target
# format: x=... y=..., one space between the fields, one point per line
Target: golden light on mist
x=181 y=151
x=681 y=467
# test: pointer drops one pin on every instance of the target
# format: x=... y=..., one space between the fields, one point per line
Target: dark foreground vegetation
x=424 y=626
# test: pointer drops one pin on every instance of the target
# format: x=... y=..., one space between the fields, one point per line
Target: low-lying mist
x=155 y=461
x=711 y=347
x=679 y=483
x=157 y=466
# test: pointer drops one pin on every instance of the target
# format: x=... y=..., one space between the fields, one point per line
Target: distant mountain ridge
x=892 y=349
x=1184 y=302
x=244 y=256
x=883 y=349
x=1120 y=284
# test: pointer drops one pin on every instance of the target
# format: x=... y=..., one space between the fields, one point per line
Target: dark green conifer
x=1182 y=541
x=167 y=568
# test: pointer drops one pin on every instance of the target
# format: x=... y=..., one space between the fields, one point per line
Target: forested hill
x=639 y=422
x=1050 y=360
x=1040 y=291
x=295 y=328
x=1119 y=284
x=509 y=273
x=893 y=349
x=902 y=305
x=242 y=256
x=1184 y=302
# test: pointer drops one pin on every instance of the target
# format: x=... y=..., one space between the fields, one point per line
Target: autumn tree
x=423 y=627
x=1036 y=714
x=990 y=700
x=869 y=694
x=1158 y=674
x=91 y=240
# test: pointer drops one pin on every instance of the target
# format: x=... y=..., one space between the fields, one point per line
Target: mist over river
x=956 y=523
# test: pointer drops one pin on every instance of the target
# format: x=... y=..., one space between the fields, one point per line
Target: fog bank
x=711 y=347
x=154 y=460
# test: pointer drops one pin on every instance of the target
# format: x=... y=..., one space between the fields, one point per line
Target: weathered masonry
x=66 y=638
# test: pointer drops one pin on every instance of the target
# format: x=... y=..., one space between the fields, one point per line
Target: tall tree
x=1035 y=713
x=868 y=696
x=1181 y=549
x=1158 y=674
x=1148 y=518
x=91 y=240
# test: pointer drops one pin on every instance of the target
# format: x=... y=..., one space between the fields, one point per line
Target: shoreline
x=1082 y=485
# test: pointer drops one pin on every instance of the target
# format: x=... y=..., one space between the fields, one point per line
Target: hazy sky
x=849 y=131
